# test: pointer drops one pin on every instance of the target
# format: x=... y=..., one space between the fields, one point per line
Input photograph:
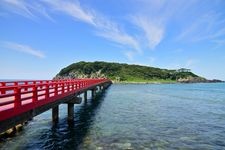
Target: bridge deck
x=22 y=96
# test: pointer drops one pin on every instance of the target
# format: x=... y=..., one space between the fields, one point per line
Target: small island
x=129 y=73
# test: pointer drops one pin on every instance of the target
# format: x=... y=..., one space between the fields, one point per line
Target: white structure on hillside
x=183 y=70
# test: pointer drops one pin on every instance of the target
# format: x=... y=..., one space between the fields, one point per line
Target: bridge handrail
x=21 y=96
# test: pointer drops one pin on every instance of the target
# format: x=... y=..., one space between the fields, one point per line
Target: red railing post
x=78 y=84
x=26 y=83
x=3 y=90
x=17 y=99
x=63 y=87
x=81 y=82
x=56 y=89
x=35 y=93
x=72 y=85
x=47 y=91
x=75 y=85
x=68 y=86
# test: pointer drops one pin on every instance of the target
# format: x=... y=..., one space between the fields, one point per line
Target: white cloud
x=207 y=26
x=150 y=19
x=41 y=10
x=154 y=16
x=153 y=30
x=72 y=8
x=18 y=6
x=23 y=48
x=104 y=27
x=29 y=10
x=112 y=32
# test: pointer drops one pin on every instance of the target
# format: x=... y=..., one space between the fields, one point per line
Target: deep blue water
x=129 y=116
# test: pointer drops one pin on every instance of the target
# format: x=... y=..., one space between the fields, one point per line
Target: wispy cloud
x=18 y=6
x=72 y=8
x=208 y=26
x=26 y=9
x=111 y=31
x=153 y=30
x=148 y=26
x=22 y=48
x=154 y=16
x=104 y=27
x=41 y=10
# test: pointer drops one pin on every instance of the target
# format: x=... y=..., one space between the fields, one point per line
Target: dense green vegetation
x=122 y=72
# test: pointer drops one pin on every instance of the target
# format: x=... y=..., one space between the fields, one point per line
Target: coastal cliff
x=127 y=73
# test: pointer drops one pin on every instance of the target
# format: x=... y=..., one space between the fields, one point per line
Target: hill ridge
x=122 y=72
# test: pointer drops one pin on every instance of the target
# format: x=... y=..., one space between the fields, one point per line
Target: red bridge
x=22 y=100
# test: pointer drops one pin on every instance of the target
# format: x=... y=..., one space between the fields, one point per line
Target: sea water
x=134 y=116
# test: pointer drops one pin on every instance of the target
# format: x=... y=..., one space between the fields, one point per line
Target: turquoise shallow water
x=129 y=116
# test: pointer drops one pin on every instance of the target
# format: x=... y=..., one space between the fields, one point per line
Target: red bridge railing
x=22 y=96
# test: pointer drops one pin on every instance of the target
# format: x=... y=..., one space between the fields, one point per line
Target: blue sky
x=38 y=38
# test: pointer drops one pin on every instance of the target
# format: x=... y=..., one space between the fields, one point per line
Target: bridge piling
x=85 y=96
x=70 y=112
x=93 y=93
x=70 y=107
x=55 y=114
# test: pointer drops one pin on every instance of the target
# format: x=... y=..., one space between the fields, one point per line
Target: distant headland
x=129 y=73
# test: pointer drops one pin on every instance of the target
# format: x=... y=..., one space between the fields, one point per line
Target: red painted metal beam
x=21 y=96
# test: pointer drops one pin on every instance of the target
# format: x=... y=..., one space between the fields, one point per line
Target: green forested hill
x=123 y=72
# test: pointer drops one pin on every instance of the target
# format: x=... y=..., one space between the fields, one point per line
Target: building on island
x=183 y=70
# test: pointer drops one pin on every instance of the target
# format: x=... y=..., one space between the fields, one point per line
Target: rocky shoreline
x=175 y=82
x=198 y=80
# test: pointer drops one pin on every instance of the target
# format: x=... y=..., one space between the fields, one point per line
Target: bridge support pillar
x=70 y=112
x=55 y=114
x=85 y=96
x=70 y=104
x=93 y=93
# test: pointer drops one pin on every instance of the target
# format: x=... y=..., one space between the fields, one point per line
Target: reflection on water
x=42 y=134
x=149 y=116
x=69 y=136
